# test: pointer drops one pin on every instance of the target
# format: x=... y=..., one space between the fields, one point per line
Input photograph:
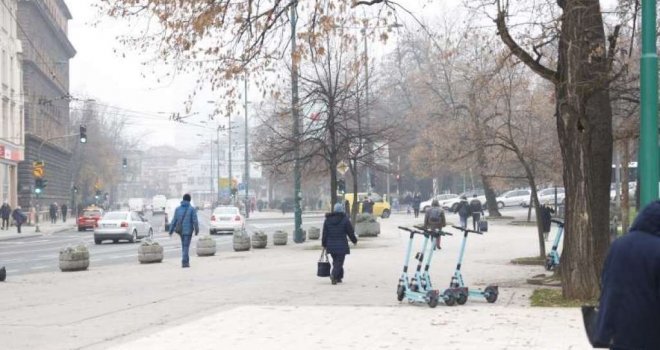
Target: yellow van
x=381 y=205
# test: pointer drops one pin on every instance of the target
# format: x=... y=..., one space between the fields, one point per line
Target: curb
x=20 y=236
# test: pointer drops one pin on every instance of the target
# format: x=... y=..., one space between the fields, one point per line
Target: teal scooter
x=418 y=288
x=457 y=285
x=552 y=260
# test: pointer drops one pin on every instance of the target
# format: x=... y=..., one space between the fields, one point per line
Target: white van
x=159 y=202
x=170 y=206
x=136 y=204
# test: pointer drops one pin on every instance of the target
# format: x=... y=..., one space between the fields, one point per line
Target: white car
x=226 y=219
x=547 y=196
x=513 y=198
x=452 y=204
x=122 y=225
x=442 y=198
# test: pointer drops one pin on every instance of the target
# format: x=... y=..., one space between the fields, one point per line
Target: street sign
x=241 y=186
x=342 y=167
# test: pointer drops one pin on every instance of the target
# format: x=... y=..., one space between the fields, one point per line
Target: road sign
x=342 y=167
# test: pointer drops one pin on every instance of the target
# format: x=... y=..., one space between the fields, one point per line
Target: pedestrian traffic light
x=124 y=163
x=83 y=134
x=75 y=189
x=341 y=185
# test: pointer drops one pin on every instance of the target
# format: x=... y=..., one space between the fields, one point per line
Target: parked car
x=89 y=217
x=513 y=198
x=122 y=225
x=632 y=187
x=452 y=204
x=442 y=198
x=546 y=196
x=226 y=219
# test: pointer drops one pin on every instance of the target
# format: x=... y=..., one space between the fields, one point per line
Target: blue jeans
x=185 y=246
x=463 y=221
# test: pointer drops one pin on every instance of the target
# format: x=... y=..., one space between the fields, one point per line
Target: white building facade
x=12 y=126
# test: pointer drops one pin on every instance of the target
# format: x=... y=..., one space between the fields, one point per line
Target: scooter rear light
x=124 y=224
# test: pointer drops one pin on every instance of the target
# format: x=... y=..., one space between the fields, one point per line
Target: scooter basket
x=323 y=267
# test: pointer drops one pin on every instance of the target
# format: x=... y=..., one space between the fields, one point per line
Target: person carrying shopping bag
x=337 y=229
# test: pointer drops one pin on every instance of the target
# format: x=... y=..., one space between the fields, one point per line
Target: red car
x=89 y=218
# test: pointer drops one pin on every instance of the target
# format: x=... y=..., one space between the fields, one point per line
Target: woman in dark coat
x=630 y=298
x=19 y=218
x=336 y=228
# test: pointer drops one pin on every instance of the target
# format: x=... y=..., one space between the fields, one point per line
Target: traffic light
x=83 y=134
x=38 y=169
x=341 y=185
x=75 y=189
x=124 y=163
x=39 y=185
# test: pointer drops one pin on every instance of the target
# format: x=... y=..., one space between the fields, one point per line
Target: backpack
x=464 y=209
x=437 y=217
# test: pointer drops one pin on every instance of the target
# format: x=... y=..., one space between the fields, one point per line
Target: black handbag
x=590 y=318
x=323 y=268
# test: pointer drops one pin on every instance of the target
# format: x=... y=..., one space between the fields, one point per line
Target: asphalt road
x=41 y=253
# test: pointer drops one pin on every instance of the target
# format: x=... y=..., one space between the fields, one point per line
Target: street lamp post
x=648 y=134
x=246 y=178
x=297 y=237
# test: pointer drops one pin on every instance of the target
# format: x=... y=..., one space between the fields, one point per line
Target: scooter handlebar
x=466 y=230
x=407 y=229
x=558 y=222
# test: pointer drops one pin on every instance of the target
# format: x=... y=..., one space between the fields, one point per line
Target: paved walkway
x=46 y=228
x=271 y=299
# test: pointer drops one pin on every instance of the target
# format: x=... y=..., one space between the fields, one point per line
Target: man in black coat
x=629 y=312
x=336 y=228
x=5 y=212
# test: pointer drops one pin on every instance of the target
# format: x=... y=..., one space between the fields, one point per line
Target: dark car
x=287 y=205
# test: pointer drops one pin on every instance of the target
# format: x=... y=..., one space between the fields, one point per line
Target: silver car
x=124 y=225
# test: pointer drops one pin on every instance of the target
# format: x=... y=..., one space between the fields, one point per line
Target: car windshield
x=89 y=213
x=226 y=211
x=115 y=216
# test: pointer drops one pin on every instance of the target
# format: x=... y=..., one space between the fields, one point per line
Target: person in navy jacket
x=336 y=229
x=629 y=311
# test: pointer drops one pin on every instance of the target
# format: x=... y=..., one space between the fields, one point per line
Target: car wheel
x=97 y=241
x=500 y=205
x=80 y=229
x=386 y=214
x=211 y=232
x=115 y=241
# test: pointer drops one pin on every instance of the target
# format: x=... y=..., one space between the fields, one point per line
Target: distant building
x=11 y=113
x=46 y=54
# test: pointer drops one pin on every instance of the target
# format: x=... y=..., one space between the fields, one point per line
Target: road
x=41 y=253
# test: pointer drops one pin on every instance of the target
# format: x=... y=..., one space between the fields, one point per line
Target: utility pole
x=246 y=178
x=218 y=160
x=648 y=133
x=229 y=155
x=366 y=109
x=297 y=236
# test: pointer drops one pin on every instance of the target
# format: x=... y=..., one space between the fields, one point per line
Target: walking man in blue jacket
x=336 y=228
x=184 y=223
x=629 y=313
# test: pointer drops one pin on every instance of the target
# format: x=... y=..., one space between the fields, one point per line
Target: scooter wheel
x=400 y=293
x=548 y=264
x=433 y=301
x=449 y=298
x=462 y=298
x=491 y=294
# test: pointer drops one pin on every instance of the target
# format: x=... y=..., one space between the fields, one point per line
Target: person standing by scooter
x=463 y=210
x=336 y=228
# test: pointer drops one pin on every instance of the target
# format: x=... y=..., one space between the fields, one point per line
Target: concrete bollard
x=259 y=240
x=206 y=246
x=241 y=241
x=314 y=233
x=280 y=238
x=74 y=258
x=150 y=252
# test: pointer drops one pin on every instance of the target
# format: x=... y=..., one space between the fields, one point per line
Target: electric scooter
x=418 y=288
x=457 y=285
x=552 y=260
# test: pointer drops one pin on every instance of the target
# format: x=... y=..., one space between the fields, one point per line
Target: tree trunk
x=354 y=205
x=539 y=223
x=625 y=193
x=584 y=125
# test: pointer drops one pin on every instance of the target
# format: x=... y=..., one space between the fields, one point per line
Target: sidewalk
x=278 y=214
x=272 y=299
x=46 y=228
